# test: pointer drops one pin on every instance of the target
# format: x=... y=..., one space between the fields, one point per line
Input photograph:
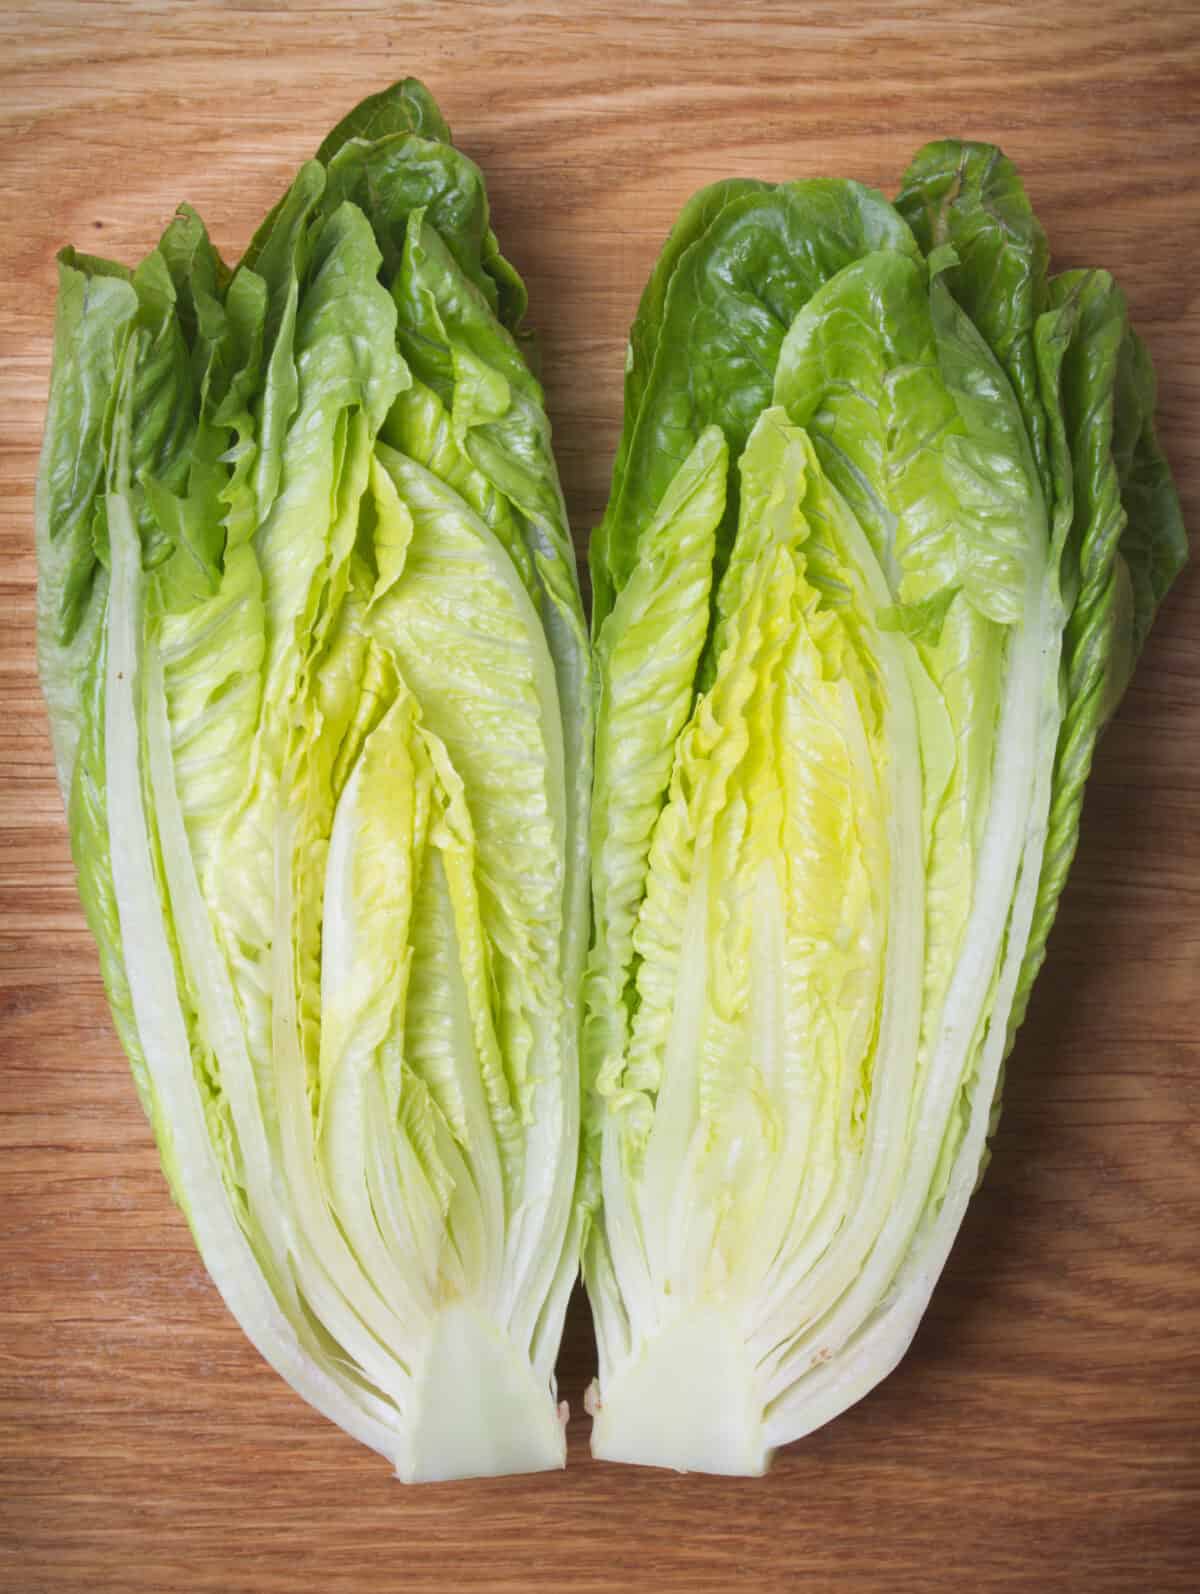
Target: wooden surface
x=1044 y=1433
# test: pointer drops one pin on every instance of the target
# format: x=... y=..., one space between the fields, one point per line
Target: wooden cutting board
x=1044 y=1431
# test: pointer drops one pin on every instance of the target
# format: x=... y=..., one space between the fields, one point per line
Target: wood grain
x=1044 y=1431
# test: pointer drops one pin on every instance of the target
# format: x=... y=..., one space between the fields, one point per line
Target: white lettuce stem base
x=481 y=1410
x=686 y=1398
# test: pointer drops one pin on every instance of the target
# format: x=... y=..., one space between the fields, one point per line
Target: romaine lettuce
x=311 y=639
x=887 y=528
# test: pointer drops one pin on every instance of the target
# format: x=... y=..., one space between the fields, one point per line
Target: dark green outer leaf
x=694 y=220
x=392 y=155
x=199 y=274
x=969 y=196
x=100 y=307
x=393 y=177
x=96 y=308
x=279 y=254
x=164 y=398
x=1086 y=391
x=1154 y=544
x=736 y=286
x=1105 y=396
x=405 y=107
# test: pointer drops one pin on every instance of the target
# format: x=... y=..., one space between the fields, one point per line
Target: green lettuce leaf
x=743 y=261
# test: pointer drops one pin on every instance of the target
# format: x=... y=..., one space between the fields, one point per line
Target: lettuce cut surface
x=311 y=640
x=888 y=526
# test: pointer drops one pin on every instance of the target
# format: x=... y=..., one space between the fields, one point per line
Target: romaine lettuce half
x=311 y=639
x=888 y=526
